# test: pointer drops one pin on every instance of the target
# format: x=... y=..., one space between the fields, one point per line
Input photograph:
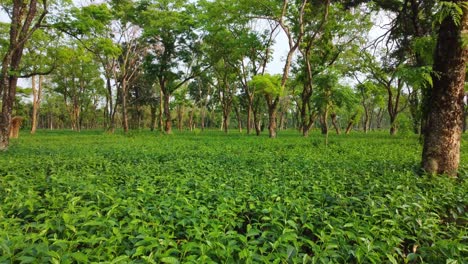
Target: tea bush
x=215 y=198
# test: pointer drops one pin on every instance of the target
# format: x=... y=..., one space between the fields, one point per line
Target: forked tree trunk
x=441 y=152
x=335 y=123
x=351 y=121
x=272 y=122
x=272 y=104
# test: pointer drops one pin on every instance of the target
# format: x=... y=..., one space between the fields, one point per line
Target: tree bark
x=124 y=106
x=335 y=123
x=324 y=121
x=272 y=121
x=22 y=27
x=167 y=113
x=239 y=119
x=441 y=151
x=37 y=95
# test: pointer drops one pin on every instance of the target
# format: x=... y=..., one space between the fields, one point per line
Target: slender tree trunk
x=257 y=123
x=203 y=116
x=465 y=119
x=335 y=123
x=167 y=113
x=441 y=151
x=349 y=127
x=161 y=111
x=153 y=117
x=225 y=123
x=249 y=114
x=239 y=119
x=124 y=107
x=324 y=121
x=366 y=120
x=190 y=122
x=180 y=114
x=37 y=94
x=393 y=125
x=110 y=105
x=272 y=121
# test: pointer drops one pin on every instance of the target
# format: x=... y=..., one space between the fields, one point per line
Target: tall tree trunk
x=441 y=151
x=203 y=116
x=124 y=107
x=324 y=122
x=366 y=121
x=191 y=124
x=37 y=94
x=153 y=117
x=249 y=115
x=272 y=121
x=110 y=105
x=167 y=113
x=22 y=27
x=239 y=119
x=257 y=122
x=161 y=111
x=225 y=123
x=180 y=116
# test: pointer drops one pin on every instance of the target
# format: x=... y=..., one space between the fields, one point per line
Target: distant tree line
x=163 y=64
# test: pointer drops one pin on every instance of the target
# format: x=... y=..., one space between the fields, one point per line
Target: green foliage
x=268 y=84
x=451 y=10
x=92 y=197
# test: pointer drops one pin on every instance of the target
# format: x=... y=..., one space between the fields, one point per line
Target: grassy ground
x=208 y=197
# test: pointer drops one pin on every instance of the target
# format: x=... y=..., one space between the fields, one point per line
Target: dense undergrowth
x=209 y=197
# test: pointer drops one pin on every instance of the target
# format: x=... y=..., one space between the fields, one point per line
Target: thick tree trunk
x=441 y=152
x=21 y=28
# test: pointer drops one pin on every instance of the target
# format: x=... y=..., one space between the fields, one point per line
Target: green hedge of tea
x=215 y=198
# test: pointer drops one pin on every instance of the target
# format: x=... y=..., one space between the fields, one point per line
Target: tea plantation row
x=215 y=198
